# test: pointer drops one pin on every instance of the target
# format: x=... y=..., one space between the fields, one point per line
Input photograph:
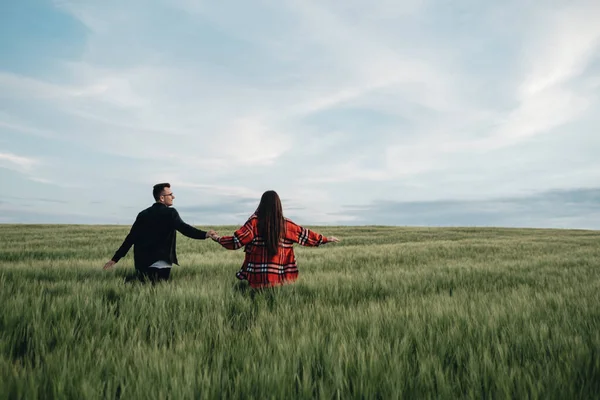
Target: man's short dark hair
x=158 y=189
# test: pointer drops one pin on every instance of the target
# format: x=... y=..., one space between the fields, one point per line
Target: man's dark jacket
x=153 y=236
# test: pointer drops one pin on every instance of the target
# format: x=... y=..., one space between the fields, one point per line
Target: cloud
x=25 y=129
x=221 y=190
x=227 y=210
x=554 y=209
x=16 y=86
x=564 y=44
x=37 y=200
x=12 y=215
x=561 y=47
x=19 y=163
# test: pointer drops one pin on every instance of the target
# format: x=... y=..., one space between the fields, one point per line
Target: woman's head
x=271 y=225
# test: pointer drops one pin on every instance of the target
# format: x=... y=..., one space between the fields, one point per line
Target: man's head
x=162 y=194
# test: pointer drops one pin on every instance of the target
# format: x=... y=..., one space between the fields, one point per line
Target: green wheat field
x=388 y=313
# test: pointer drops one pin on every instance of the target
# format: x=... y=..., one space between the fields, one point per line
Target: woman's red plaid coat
x=259 y=268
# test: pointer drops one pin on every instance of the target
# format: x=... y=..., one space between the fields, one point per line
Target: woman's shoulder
x=252 y=220
x=291 y=224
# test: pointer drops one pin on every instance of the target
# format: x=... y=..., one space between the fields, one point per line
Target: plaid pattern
x=259 y=268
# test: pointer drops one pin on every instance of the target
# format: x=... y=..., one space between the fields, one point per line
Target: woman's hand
x=333 y=239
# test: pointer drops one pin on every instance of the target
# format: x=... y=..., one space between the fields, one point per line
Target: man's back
x=153 y=236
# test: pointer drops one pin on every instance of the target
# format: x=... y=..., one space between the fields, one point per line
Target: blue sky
x=413 y=112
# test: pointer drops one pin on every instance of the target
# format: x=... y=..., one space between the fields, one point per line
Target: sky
x=378 y=112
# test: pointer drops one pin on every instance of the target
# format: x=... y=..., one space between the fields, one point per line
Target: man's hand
x=214 y=235
x=109 y=264
x=333 y=239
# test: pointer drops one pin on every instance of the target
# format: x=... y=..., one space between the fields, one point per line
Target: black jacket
x=153 y=236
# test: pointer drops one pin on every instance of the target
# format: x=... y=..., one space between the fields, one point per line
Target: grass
x=389 y=312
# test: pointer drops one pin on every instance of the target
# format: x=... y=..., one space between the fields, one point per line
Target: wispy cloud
x=561 y=46
x=23 y=128
x=20 y=163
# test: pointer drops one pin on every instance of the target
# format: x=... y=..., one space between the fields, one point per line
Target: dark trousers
x=155 y=274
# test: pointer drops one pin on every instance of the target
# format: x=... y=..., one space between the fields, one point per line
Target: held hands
x=213 y=235
x=109 y=264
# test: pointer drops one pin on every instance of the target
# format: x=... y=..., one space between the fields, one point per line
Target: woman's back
x=268 y=240
x=261 y=268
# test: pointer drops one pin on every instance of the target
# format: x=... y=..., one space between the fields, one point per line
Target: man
x=153 y=237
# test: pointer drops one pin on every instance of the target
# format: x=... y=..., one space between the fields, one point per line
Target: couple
x=267 y=236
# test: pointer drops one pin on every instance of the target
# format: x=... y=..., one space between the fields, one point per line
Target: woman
x=269 y=240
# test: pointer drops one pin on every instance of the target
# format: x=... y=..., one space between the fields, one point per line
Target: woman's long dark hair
x=271 y=225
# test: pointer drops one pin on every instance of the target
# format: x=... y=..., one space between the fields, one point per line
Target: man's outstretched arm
x=122 y=251
x=188 y=230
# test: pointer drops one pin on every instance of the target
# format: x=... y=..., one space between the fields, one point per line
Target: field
x=387 y=313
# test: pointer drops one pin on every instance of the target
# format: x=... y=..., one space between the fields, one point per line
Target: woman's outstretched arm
x=306 y=237
x=240 y=238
